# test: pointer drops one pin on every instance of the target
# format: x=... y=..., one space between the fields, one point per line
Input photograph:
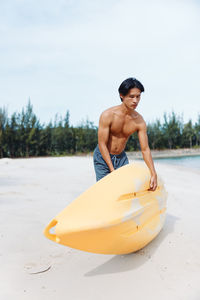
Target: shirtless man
x=116 y=124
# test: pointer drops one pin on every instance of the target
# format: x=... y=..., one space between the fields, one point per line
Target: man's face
x=132 y=99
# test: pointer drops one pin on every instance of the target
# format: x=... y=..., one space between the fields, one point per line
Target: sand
x=33 y=191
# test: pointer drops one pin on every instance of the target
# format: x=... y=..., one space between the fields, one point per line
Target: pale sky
x=73 y=55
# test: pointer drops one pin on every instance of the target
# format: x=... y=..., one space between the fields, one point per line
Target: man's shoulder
x=138 y=117
x=109 y=111
x=141 y=124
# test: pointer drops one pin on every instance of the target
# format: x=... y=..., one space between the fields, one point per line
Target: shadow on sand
x=123 y=263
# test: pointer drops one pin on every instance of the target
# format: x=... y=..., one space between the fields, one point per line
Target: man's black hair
x=128 y=84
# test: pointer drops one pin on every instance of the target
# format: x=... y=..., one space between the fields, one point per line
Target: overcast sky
x=73 y=55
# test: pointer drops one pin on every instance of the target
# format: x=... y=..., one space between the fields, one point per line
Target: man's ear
x=121 y=97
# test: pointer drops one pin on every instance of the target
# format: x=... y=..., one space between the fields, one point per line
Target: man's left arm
x=146 y=152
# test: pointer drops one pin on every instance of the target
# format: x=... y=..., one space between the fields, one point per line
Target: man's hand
x=153 y=183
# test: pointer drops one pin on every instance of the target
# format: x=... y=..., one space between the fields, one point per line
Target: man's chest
x=123 y=127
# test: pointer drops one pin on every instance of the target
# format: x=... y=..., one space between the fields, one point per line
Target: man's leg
x=100 y=166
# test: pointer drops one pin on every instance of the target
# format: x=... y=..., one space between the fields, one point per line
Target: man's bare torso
x=121 y=127
x=117 y=123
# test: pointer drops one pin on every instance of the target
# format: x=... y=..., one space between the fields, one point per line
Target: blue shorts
x=100 y=166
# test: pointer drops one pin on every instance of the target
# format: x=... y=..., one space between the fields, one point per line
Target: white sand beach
x=33 y=191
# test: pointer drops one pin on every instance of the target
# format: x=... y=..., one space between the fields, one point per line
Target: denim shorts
x=100 y=166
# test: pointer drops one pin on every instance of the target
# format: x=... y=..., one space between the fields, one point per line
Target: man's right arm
x=103 y=136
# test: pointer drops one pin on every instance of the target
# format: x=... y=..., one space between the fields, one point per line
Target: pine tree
x=3 y=122
x=188 y=134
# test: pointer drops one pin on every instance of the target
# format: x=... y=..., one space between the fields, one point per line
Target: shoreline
x=167 y=153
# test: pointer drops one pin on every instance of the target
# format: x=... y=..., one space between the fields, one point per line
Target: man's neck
x=125 y=110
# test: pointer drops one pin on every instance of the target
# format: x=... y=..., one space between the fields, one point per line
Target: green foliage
x=197 y=132
x=156 y=135
x=171 y=130
x=188 y=134
x=22 y=135
x=3 y=123
x=86 y=136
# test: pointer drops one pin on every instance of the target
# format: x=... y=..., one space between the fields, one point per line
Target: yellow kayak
x=117 y=215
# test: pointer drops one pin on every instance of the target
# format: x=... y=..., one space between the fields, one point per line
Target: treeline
x=172 y=133
x=22 y=135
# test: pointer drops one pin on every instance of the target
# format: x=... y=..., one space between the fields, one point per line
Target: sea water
x=187 y=161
